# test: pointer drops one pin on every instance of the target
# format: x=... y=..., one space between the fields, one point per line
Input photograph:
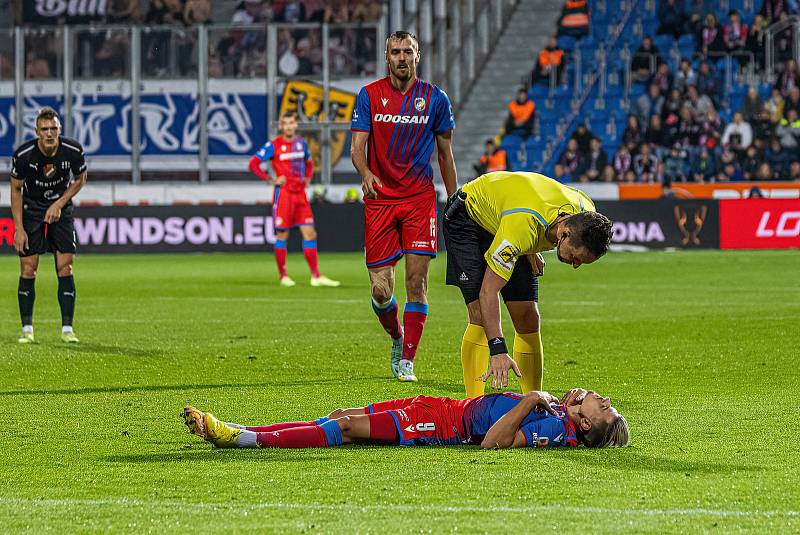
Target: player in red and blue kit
x=293 y=168
x=397 y=120
x=502 y=420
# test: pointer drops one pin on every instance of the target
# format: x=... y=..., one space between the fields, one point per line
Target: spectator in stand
x=549 y=63
x=774 y=106
x=334 y=12
x=685 y=76
x=649 y=104
x=671 y=18
x=675 y=168
x=164 y=12
x=765 y=173
x=623 y=163
x=570 y=160
x=493 y=159
x=197 y=12
x=645 y=60
x=753 y=112
x=707 y=82
x=751 y=162
x=633 y=135
x=794 y=171
x=645 y=164
x=773 y=10
x=367 y=12
x=793 y=102
x=755 y=41
x=697 y=103
x=594 y=163
x=561 y=174
x=789 y=78
x=730 y=173
x=662 y=78
x=521 y=115
x=687 y=131
x=738 y=135
x=709 y=38
x=583 y=136
x=789 y=131
x=656 y=135
x=608 y=174
x=777 y=158
x=704 y=166
x=735 y=32
x=124 y=12
x=291 y=11
x=710 y=130
x=671 y=108
x=574 y=19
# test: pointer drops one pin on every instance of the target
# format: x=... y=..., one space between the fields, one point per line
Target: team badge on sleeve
x=505 y=255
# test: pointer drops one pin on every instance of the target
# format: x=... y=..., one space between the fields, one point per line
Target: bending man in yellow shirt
x=502 y=221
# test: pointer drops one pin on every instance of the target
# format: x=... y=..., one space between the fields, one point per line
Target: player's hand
x=368 y=184
x=542 y=402
x=498 y=370
x=280 y=180
x=20 y=241
x=574 y=396
x=53 y=213
x=537 y=263
x=549 y=397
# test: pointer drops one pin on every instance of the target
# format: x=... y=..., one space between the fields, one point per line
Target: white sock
x=27 y=328
x=247 y=439
x=64 y=329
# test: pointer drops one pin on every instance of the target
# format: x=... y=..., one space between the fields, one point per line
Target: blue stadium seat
x=566 y=42
x=686 y=40
x=511 y=143
x=664 y=42
x=538 y=92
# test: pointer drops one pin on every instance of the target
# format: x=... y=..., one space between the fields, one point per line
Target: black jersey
x=47 y=177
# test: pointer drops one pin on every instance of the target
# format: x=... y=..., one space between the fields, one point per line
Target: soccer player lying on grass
x=502 y=420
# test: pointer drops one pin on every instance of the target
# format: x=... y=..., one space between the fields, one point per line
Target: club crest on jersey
x=419 y=104
x=49 y=170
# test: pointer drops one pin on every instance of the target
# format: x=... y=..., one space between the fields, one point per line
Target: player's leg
x=281 y=218
x=521 y=295
x=419 y=234
x=281 y=239
x=309 y=233
x=465 y=269
x=66 y=294
x=26 y=295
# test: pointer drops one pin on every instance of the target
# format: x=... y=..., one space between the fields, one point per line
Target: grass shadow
x=628 y=459
x=255 y=455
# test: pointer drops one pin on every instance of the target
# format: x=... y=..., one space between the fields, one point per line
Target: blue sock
x=320 y=421
x=332 y=433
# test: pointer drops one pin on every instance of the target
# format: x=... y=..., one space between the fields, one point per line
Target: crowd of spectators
x=674 y=132
x=169 y=44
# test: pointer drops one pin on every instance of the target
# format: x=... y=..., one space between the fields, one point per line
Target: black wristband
x=497 y=346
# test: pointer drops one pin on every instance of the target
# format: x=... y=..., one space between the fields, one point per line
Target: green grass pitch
x=699 y=350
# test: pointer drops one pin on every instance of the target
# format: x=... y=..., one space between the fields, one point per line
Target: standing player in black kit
x=46 y=173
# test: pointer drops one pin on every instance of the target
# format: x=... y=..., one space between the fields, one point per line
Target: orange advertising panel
x=718 y=190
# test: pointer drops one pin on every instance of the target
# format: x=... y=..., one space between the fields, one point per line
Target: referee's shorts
x=466 y=242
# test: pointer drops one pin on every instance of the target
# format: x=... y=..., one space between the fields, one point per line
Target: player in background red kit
x=396 y=122
x=293 y=168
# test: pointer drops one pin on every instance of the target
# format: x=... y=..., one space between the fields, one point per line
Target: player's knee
x=310 y=234
x=345 y=424
x=338 y=413
x=527 y=320
x=27 y=272
x=65 y=270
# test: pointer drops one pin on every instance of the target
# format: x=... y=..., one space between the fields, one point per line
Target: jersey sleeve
x=443 y=114
x=361 y=115
x=306 y=152
x=14 y=171
x=515 y=237
x=78 y=163
x=266 y=152
x=546 y=432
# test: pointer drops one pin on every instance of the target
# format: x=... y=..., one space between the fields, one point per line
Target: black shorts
x=466 y=242
x=43 y=237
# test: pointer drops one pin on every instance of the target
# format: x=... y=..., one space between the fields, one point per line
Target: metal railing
x=66 y=63
x=792 y=25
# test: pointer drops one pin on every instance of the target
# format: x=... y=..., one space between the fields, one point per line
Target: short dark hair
x=289 y=114
x=592 y=230
x=46 y=113
x=400 y=35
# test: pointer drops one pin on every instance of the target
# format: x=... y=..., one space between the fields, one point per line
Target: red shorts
x=392 y=230
x=291 y=209
x=425 y=420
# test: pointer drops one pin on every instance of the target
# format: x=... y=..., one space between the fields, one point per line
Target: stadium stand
x=673 y=90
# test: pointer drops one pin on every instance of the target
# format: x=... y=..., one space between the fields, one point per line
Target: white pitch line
x=530 y=509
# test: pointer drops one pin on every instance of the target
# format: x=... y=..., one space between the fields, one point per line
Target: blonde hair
x=616 y=434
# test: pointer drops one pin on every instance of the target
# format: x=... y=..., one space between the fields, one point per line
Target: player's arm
x=20 y=236
x=447 y=164
x=53 y=213
x=505 y=433
x=265 y=154
x=255 y=167
x=358 y=153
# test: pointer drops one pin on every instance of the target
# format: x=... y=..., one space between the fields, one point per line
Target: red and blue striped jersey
x=540 y=428
x=403 y=129
x=290 y=158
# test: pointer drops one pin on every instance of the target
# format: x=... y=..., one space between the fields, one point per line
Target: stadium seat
x=566 y=42
x=664 y=42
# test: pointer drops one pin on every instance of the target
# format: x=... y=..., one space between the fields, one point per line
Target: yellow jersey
x=517 y=208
